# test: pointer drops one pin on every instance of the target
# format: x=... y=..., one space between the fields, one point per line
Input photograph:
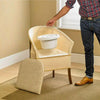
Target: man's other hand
x=51 y=22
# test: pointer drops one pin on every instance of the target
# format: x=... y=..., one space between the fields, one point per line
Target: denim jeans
x=88 y=29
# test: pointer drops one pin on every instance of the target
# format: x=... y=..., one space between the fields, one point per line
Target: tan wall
x=43 y=10
x=14 y=24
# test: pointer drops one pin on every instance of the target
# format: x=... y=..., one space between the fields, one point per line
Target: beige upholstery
x=57 y=58
x=30 y=76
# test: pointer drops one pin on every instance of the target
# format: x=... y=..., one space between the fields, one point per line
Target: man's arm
x=61 y=13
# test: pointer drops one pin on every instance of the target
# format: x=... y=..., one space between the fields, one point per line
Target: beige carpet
x=57 y=88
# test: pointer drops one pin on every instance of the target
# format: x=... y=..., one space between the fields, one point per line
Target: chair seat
x=43 y=53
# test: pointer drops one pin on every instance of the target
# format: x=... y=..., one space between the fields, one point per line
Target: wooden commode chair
x=30 y=76
x=52 y=59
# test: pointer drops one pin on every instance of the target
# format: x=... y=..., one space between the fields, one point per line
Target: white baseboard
x=15 y=58
x=12 y=59
x=80 y=58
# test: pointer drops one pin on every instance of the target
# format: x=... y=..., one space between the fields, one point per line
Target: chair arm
x=65 y=43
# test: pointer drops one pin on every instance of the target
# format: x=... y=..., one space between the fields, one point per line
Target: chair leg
x=29 y=49
x=53 y=73
x=69 y=75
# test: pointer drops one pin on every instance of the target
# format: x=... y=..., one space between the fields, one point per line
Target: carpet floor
x=57 y=88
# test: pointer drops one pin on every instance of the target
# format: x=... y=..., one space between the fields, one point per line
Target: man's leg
x=87 y=38
x=97 y=29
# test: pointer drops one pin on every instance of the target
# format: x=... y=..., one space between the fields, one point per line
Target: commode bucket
x=48 y=41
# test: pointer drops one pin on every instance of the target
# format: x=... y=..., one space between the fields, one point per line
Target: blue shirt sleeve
x=70 y=3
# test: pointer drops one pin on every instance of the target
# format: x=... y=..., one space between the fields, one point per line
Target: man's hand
x=61 y=13
x=51 y=22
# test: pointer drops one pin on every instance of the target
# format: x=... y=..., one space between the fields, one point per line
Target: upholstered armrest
x=65 y=43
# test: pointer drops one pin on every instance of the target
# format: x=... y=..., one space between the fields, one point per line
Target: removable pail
x=48 y=41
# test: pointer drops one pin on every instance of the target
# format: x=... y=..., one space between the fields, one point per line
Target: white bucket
x=48 y=41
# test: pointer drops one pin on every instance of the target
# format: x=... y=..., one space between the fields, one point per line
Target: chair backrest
x=34 y=32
